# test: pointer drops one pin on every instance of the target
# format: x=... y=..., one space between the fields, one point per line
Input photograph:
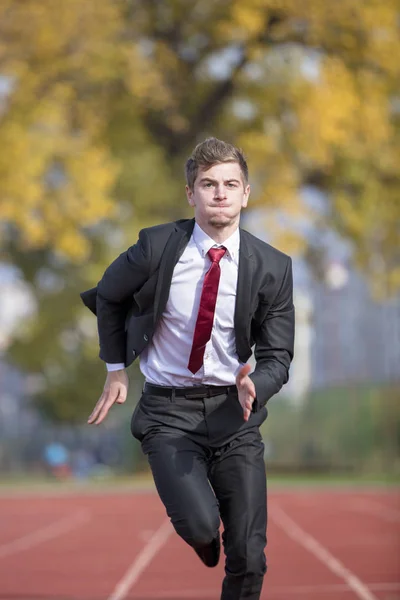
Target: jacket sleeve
x=274 y=343
x=120 y=281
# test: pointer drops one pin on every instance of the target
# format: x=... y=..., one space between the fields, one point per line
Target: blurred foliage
x=101 y=103
x=349 y=428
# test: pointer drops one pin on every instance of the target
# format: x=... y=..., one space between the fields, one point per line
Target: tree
x=103 y=102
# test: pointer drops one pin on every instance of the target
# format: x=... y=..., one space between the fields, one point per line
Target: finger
x=98 y=407
x=106 y=407
x=252 y=391
x=246 y=414
x=103 y=413
x=248 y=388
x=249 y=404
x=122 y=396
x=109 y=401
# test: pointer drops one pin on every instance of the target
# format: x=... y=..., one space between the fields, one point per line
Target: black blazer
x=131 y=296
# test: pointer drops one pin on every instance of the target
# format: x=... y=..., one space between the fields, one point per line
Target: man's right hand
x=115 y=390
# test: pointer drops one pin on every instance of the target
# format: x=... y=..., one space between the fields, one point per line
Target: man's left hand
x=246 y=390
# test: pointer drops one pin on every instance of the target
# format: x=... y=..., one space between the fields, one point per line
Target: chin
x=220 y=221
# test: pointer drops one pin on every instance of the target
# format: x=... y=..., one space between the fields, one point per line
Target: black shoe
x=210 y=554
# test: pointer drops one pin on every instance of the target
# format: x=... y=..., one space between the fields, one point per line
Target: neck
x=219 y=234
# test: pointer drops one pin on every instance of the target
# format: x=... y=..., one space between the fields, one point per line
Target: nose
x=220 y=191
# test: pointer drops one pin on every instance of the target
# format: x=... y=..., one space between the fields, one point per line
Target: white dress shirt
x=165 y=360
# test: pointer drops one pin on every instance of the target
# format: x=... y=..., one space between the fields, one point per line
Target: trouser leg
x=238 y=478
x=179 y=467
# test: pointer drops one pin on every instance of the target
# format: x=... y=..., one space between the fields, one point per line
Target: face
x=218 y=196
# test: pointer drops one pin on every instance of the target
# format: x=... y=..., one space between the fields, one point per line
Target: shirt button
x=146 y=337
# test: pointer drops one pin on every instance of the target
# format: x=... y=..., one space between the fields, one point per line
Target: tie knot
x=216 y=254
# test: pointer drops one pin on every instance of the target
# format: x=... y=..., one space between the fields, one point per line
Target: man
x=192 y=298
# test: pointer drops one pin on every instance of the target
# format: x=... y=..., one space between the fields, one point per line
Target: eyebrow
x=203 y=179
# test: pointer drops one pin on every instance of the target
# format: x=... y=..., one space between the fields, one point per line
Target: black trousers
x=208 y=464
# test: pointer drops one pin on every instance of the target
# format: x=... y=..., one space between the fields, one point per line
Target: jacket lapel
x=243 y=296
x=174 y=248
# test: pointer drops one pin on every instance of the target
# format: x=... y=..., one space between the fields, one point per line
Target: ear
x=246 y=195
x=189 y=194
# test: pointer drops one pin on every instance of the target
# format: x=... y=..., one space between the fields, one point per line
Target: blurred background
x=100 y=105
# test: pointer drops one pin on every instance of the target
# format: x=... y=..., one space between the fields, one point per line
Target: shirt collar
x=204 y=242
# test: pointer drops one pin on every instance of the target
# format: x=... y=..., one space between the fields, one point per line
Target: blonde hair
x=212 y=152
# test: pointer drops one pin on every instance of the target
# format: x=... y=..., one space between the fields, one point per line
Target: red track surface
x=322 y=545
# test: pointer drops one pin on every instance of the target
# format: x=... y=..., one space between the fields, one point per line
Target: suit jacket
x=132 y=294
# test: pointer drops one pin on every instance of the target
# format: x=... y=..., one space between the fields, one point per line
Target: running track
x=326 y=545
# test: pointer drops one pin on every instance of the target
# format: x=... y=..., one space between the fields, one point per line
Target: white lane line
x=321 y=553
x=372 y=507
x=45 y=534
x=328 y=589
x=143 y=559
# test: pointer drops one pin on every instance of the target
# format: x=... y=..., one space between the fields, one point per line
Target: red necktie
x=205 y=317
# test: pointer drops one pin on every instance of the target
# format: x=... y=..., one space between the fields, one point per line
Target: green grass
x=32 y=483
x=327 y=480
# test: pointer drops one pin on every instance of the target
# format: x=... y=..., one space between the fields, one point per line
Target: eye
x=208 y=184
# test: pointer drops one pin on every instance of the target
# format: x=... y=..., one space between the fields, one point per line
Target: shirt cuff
x=115 y=366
